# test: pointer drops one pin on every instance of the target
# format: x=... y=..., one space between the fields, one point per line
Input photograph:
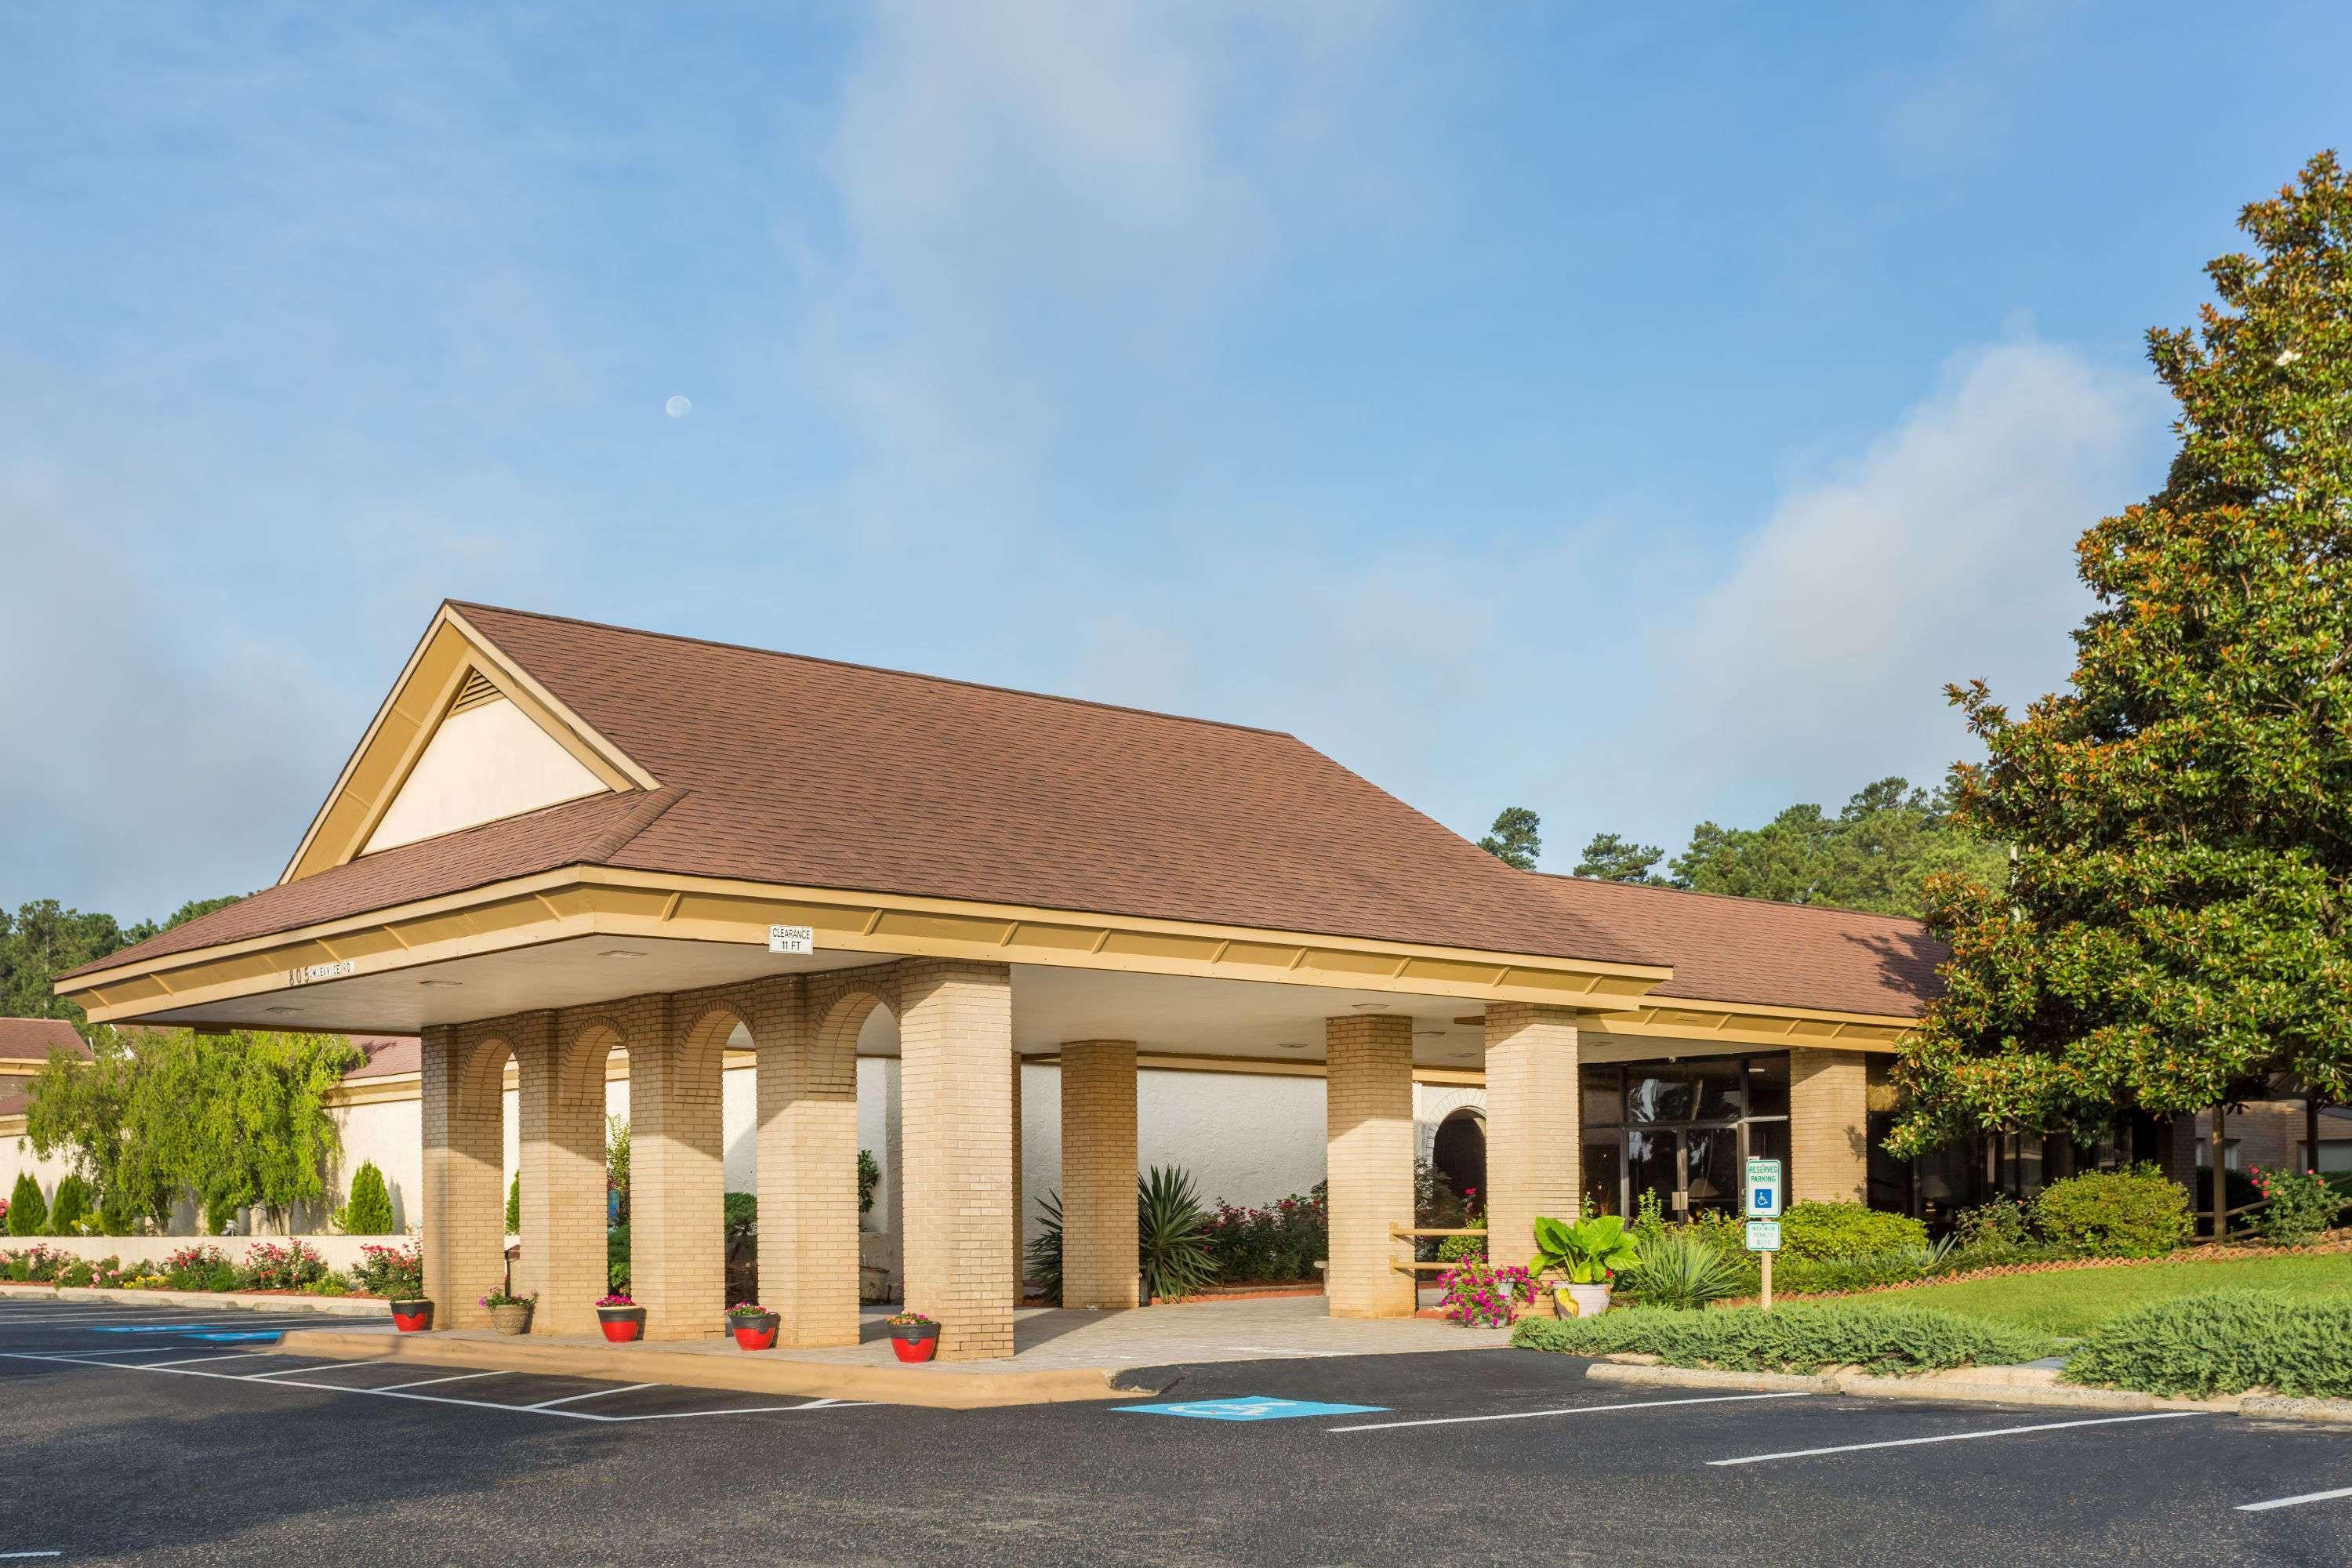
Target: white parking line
x=1279 y=1350
x=201 y=1360
x=1958 y=1437
x=428 y=1382
x=2293 y=1501
x=6 y=1556
x=290 y=1371
x=1568 y=1410
x=399 y=1391
x=592 y=1393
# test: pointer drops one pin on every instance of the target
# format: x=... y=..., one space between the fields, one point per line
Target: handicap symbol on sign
x=1250 y=1407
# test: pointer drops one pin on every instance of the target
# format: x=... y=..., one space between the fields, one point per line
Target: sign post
x=1763 y=1205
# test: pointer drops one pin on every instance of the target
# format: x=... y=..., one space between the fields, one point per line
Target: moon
x=678 y=407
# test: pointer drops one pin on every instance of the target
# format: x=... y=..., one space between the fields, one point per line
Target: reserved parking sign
x=1763 y=1189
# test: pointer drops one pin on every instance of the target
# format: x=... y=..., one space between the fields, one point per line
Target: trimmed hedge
x=1796 y=1338
x=2224 y=1342
x=1817 y=1231
x=2139 y=1213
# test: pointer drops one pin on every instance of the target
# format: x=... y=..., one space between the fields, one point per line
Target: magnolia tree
x=2178 y=920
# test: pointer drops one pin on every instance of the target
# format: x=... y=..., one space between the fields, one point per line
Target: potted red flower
x=754 y=1326
x=913 y=1336
x=622 y=1320
x=412 y=1315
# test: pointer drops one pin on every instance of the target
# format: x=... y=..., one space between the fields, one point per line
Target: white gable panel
x=482 y=765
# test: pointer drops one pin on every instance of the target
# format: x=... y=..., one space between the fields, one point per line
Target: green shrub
x=2138 y=1213
x=28 y=1212
x=2224 y=1342
x=616 y=1259
x=1282 y=1242
x=199 y=1268
x=740 y=1212
x=2299 y=1207
x=328 y=1285
x=396 y=1272
x=1997 y=1227
x=1456 y=1248
x=869 y=1176
x=1796 y=1338
x=69 y=1207
x=1816 y=1229
x=1683 y=1269
x=118 y=1213
x=367 y=1209
x=270 y=1267
x=77 y=1273
x=1172 y=1234
x=1825 y=1275
x=514 y=1204
x=1042 y=1262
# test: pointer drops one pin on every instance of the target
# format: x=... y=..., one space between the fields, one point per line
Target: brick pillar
x=1369 y=1121
x=462 y=1219
x=808 y=1169
x=1098 y=1215
x=677 y=1246
x=1534 y=1105
x=560 y=1126
x=1829 y=1146
x=955 y=1047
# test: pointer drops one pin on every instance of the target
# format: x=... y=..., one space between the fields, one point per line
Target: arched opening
x=1459 y=1152
x=881 y=1146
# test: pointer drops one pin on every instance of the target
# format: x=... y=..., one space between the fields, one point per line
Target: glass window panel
x=1770 y=1141
x=1604 y=1174
x=1767 y=1086
x=1654 y=1163
x=1657 y=1092
x=1722 y=1090
x=1602 y=1104
x=1713 y=1169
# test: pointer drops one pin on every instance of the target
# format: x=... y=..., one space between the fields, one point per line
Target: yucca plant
x=1045 y=1253
x=1172 y=1234
x=1681 y=1268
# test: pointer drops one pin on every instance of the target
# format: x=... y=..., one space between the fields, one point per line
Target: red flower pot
x=622 y=1325
x=918 y=1341
x=412 y=1317
x=755 y=1333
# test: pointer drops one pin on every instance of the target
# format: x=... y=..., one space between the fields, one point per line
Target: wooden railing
x=1414 y=1233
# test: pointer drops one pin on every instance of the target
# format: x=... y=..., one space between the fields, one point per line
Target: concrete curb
x=2272 y=1407
x=763 y=1372
x=1969 y=1384
x=331 y=1306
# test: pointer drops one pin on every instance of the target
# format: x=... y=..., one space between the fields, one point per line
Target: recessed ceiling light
x=1290 y=1045
x=278 y=1009
x=451 y=984
x=621 y=953
x=1369 y=1006
x=1428 y=1034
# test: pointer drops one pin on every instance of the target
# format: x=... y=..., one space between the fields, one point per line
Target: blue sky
x=1635 y=417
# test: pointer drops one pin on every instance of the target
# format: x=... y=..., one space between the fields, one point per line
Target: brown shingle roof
x=32 y=1040
x=387 y=1056
x=1728 y=949
x=801 y=771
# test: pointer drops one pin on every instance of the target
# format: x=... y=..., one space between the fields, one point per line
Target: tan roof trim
x=579 y=900
x=446 y=659
x=1757 y=1024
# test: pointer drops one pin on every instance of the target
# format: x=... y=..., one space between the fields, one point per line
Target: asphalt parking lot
x=150 y=1435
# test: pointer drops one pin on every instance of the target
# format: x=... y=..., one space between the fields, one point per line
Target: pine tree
x=28 y=1212
x=1517 y=837
x=70 y=1204
x=368 y=1209
x=2179 y=919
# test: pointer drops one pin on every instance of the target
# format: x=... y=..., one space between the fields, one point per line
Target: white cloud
x=1945 y=553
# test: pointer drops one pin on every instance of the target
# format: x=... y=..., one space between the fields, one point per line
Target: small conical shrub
x=116 y=1213
x=514 y=1206
x=368 y=1210
x=72 y=1203
x=28 y=1212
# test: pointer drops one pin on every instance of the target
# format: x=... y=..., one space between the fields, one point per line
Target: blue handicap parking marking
x=1250 y=1407
x=239 y=1336
x=158 y=1329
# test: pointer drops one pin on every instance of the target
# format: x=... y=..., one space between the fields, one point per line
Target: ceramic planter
x=511 y=1319
x=1583 y=1301
x=412 y=1317
x=915 y=1342
x=755 y=1333
x=622 y=1325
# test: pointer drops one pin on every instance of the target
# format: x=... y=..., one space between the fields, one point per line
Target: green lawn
x=2069 y=1302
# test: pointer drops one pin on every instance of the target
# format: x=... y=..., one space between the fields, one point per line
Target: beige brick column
x=1098 y=1215
x=678 y=1247
x=462 y=1219
x=1829 y=1149
x=1533 y=1108
x=561 y=1135
x=1369 y=1122
x=955 y=1047
x=808 y=1168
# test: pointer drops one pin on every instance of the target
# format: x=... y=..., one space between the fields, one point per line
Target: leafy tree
x=1615 y=859
x=72 y=1205
x=28 y=1212
x=367 y=1211
x=2179 y=921
x=82 y=1109
x=514 y=1204
x=616 y=1164
x=1517 y=837
x=44 y=939
x=1876 y=854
